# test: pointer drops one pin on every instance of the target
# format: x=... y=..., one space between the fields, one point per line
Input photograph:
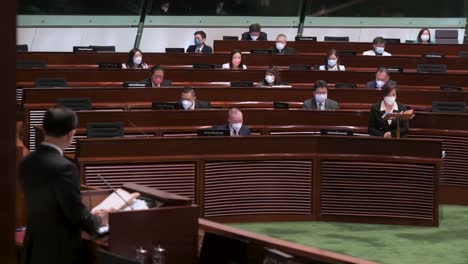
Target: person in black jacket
x=255 y=33
x=156 y=78
x=281 y=46
x=385 y=128
x=235 y=124
x=188 y=100
x=51 y=184
x=200 y=46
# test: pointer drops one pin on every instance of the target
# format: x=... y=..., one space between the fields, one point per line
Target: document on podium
x=117 y=201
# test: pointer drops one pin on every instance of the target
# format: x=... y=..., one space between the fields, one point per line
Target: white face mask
x=137 y=60
x=390 y=100
x=270 y=79
x=236 y=126
x=253 y=37
x=425 y=37
x=186 y=104
x=379 y=50
x=280 y=46
x=379 y=83
x=321 y=98
x=331 y=63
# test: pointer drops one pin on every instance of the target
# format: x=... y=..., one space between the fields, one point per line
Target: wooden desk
x=62 y=59
x=219 y=75
x=272 y=178
x=359 y=47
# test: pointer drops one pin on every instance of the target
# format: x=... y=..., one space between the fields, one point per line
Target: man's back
x=55 y=213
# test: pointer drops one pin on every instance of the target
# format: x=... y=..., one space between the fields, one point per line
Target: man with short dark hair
x=200 y=46
x=255 y=33
x=379 y=48
x=320 y=100
x=156 y=78
x=381 y=77
x=188 y=100
x=51 y=184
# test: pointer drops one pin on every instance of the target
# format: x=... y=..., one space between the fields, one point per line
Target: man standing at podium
x=51 y=184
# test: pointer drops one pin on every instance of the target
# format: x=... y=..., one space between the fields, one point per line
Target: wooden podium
x=172 y=223
x=404 y=116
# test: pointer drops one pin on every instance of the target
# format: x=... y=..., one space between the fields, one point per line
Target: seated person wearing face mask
x=320 y=100
x=387 y=128
x=235 y=124
x=381 y=77
x=135 y=60
x=424 y=36
x=235 y=63
x=200 y=46
x=272 y=77
x=188 y=100
x=156 y=78
x=332 y=62
x=255 y=33
x=281 y=46
x=379 y=48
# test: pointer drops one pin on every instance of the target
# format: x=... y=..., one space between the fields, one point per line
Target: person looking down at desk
x=188 y=100
x=51 y=184
x=332 y=62
x=379 y=48
x=235 y=123
x=156 y=78
x=255 y=33
x=200 y=46
x=387 y=128
x=135 y=60
x=281 y=46
x=382 y=76
x=320 y=100
x=235 y=63
x=272 y=77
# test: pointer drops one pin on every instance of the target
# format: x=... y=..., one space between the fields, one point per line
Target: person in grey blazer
x=320 y=100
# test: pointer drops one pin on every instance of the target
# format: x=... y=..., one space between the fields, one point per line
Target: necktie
x=320 y=106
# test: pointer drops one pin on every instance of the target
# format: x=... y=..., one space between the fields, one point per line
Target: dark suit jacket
x=199 y=105
x=286 y=50
x=243 y=131
x=246 y=36
x=311 y=104
x=163 y=84
x=205 y=49
x=372 y=85
x=378 y=126
x=55 y=212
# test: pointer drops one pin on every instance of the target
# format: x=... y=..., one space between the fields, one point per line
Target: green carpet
x=388 y=244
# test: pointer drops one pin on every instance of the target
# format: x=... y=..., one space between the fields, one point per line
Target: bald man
x=235 y=123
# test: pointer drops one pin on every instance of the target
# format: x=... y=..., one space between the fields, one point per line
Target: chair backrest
x=435 y=68
x=392 y=41
x=336 y=39
x=303 y=38
x=106 y=257
x=446 y=36
x=345 y=85
x=103 y=130
x=76 y=104
x=51 y=82
x=22 y=48
x=27 y=64
x=232 y=38
x=449 y=107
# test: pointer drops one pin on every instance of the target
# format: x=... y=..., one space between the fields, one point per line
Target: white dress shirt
x=383 y=108
x=227 y=66
x=372 y=53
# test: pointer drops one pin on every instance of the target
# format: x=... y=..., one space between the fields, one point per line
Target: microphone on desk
x=114 y=190
x=133 y=125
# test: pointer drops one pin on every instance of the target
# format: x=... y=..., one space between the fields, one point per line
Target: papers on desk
x=116 y=201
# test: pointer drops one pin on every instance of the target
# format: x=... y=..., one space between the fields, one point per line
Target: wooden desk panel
x=60 y=59
x=359 y=47
x=268 y=161
x=219 y=75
